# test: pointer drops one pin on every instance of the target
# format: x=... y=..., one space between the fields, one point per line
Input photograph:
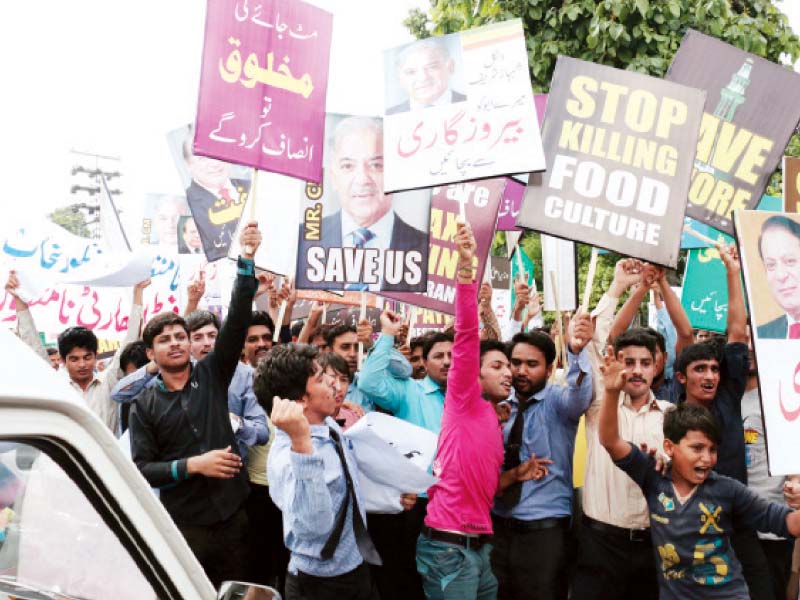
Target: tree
x=72 y=219
x=637 y=35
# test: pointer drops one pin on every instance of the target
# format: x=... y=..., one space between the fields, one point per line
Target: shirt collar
x=652 y=403
x=382 y=228
x=446 y=98
x=323 y=430
x=429 y=385
x=537 y=397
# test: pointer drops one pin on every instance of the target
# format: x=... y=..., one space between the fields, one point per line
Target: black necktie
x=511 y=495
x=363 y=541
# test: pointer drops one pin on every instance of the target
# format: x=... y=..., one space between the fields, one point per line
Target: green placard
x=527 y=264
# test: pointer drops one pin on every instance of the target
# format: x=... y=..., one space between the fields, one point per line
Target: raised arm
x=737 y=315
x=574 y=399
x=312 y=322
x=678 y=316
x=614 y=377
x=377 y=379
x=230 y=341
x=463 y=387
x=26 y=327
x=194 y=292
x=297 y=475
x=628 y=311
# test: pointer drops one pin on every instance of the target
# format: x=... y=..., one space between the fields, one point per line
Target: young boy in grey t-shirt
x=692 y=508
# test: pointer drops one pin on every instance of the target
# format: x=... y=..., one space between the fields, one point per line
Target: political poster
x=460 y=107
x=352 y=236
x=481 y=200
x=501 y=288
x=520 y=261
x=619 y=147
x=216 y=193
x=263 y=84
x=159 y=225
x=559 y=258
x=769 y=247
x=791 y=184
x=510 y=205
x=751 y=112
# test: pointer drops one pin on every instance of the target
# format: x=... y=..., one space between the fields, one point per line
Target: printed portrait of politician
x=779 y=249
x=189 y=241
x=366 y=218
x=215 y=199
x=424 y=71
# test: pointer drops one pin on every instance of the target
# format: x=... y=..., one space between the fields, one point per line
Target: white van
x=77 y=519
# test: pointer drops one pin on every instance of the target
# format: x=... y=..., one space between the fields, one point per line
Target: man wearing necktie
x=779 y=247
x=543 y=423
x=314 y=480
x=366 y=218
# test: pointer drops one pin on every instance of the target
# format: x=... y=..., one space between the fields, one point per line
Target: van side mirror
x=239 y=590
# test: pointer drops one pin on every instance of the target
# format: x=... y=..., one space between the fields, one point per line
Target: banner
x=751 y=112
x=216 y=193
x=530 y=271
x=352 y=236
x=791 y=184
x=619 y=147
x=501 y=288
x=510 y=205
x=460 y=107
x=705 y=289
x=769 y=247
x=481 y=200
x=558 y=256
x=263 y=84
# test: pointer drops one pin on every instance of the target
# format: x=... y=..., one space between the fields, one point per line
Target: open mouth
x=709 y=388
x=701 y=472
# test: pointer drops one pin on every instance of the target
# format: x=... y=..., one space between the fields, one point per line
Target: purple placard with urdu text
x=263 y=85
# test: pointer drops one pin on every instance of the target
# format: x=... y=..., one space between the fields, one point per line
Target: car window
x=51 y=537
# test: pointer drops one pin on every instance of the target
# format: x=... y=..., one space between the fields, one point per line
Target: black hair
x=261 y=317
x=336 y=331
x=637 y=336
x=51 y=351
x=433 y=339
x=690 y=417
x=490 y=345
x=198 y=319
x=661 y=342
x=134 y=354
x=284 y=372
x=158 y=323
x=417 y=342
x=297 y=327
x=778 y=222
x=76 y=337
x=335 y=362
x=695 y=352
x=538 y=340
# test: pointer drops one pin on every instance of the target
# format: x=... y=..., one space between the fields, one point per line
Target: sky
x=113 y=77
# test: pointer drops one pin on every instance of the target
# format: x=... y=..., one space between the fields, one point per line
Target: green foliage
x=637 y=35
x=72 y=219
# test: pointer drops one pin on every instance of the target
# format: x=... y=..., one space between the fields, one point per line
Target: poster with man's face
x=160 y=218
x=216 y=192
x=352 y=235
x=769 y=245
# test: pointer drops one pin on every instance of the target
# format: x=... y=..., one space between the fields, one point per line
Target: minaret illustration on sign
x=731 y=98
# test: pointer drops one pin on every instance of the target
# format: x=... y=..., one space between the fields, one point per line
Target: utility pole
x=86 y=171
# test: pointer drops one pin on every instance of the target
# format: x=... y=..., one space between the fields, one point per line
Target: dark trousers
x=395 y=537
x=220 y=548
x=519 y=576
x=754 y=563
x=355 y=585
x=267 y=557
x=612 y=567
x=779 y=561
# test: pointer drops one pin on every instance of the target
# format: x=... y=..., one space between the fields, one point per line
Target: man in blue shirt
x=314 y=480
x=536 y=513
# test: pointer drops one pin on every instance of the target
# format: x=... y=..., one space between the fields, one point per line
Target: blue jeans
x=452 y=572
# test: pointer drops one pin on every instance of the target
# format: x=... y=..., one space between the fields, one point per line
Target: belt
x=471 y=542
x=632 y=535
x=535 y=525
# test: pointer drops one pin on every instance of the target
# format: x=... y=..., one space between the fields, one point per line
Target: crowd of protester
x=242 y=437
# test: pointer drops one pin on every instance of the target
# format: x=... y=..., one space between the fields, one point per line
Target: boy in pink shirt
x=453 y=550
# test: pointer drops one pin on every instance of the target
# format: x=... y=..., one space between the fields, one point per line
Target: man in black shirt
x=181 y=435
x=717 y=381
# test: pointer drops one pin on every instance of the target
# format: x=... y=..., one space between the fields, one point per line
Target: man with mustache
x=543 y=423
x=615 y=559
